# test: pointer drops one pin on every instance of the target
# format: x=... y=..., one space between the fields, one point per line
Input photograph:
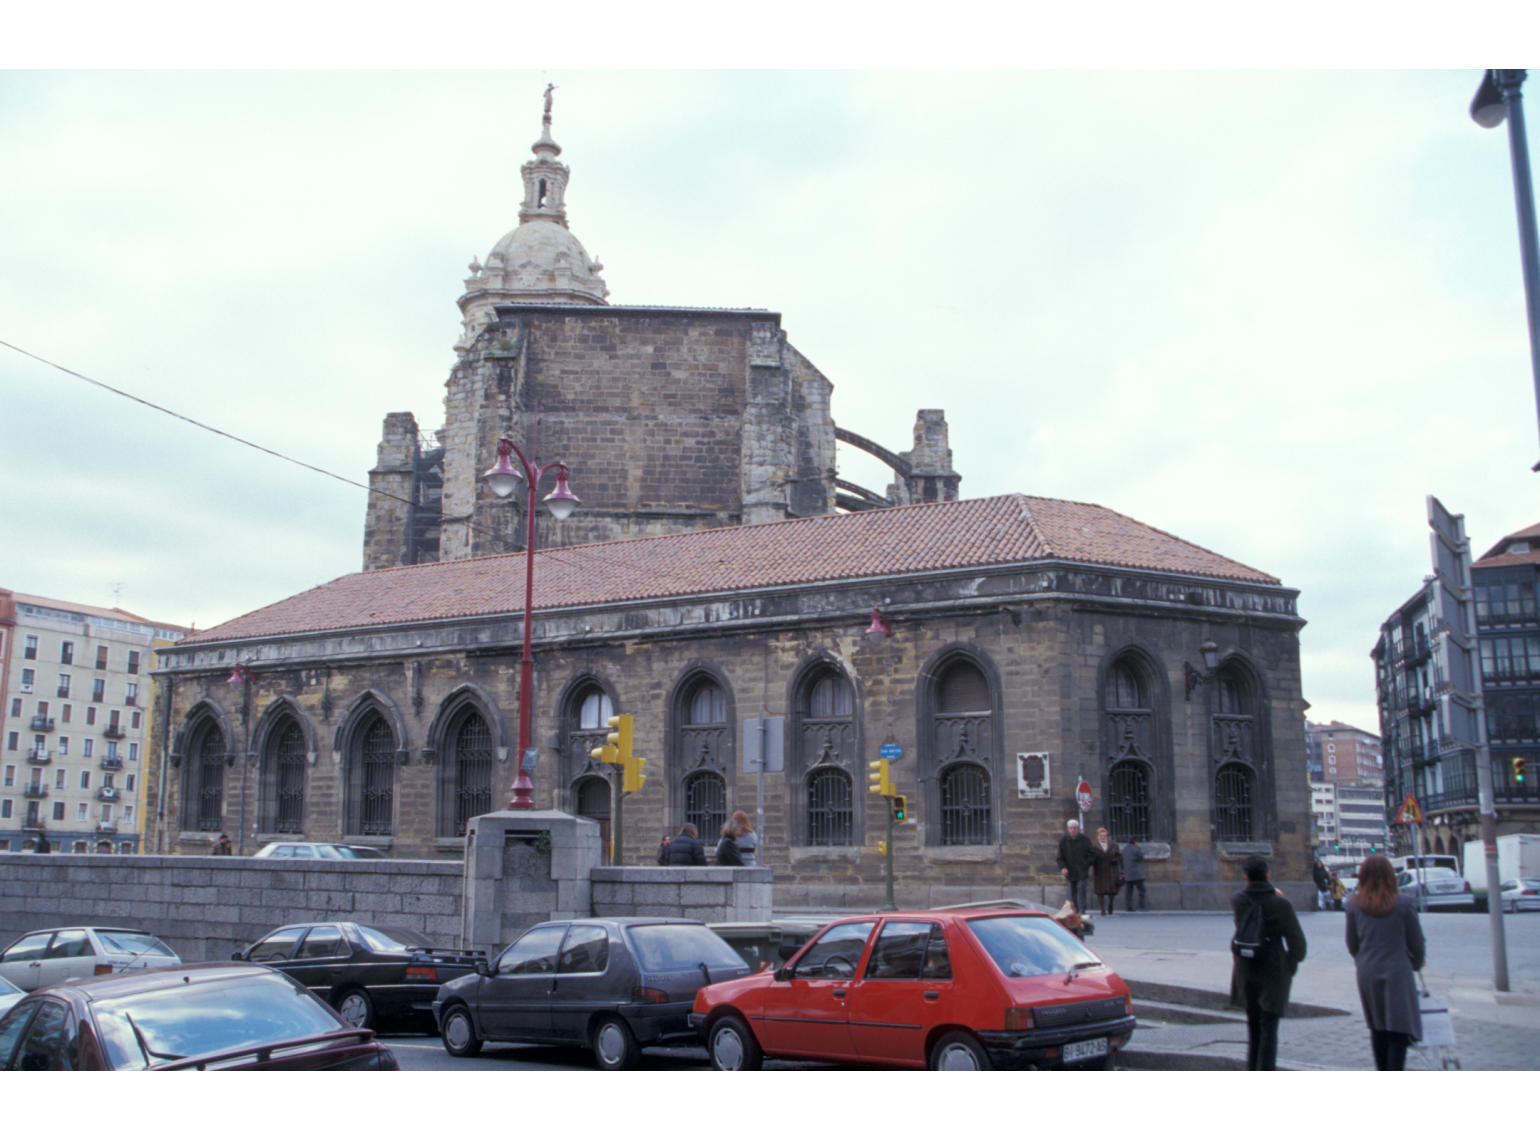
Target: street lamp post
x=1498 y=98
x=504 y=477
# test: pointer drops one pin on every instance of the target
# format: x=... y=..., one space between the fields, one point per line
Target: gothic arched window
x=465 y=787
x=825 y=744
x=962 y=747
x=1238 y=757
x=283 y=778
x=371 y=779
x=1233 y=787
x=1132 y=743
x=203 y=780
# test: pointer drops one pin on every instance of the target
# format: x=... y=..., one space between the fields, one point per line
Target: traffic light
x=618 y=751
x=900 y=808
x=631 y=779
x=1518 y=769
x=881 y=779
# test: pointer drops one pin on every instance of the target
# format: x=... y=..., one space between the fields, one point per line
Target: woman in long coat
x=1106 y=869
x=1384 y=936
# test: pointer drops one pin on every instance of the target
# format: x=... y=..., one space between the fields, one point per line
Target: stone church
x=768 y=625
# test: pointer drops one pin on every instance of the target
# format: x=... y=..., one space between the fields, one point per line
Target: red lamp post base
x=523 y=793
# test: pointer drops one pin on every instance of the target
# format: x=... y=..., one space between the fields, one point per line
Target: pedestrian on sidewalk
x=684 y=849
x=1262 y=982
x=746 y=838
x=1384 y=936
x=1337 y=891
x=1106 y=869
x=1074 y=862
x=1322 y=879
x=1133 y=875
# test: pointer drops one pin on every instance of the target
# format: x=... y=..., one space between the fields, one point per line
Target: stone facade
x=985 y=666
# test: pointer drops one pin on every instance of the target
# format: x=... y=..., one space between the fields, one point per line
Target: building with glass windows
x=1419 y=759
x=76 y=693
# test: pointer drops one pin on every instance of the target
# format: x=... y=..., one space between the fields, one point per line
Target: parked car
x=368 y=974
x=759 y=944
x=46 y=957
x=1520 y=894
x=613 y=985
x=945 y=989
x=207 y=1016
x=10 y=994
x=317 y=851
x=1440 y=888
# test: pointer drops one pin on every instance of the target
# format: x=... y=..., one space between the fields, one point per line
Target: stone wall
x=711 y=894
x=206 y=908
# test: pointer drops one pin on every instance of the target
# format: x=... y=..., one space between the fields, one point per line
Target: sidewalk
x=1174 y=986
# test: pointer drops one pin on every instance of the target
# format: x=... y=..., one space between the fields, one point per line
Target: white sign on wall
x=1032 y=782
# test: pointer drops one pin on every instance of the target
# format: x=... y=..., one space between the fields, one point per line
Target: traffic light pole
x=891 y=905
x=618 y=840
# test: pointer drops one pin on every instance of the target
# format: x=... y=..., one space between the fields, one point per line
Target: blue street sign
x=891 y=750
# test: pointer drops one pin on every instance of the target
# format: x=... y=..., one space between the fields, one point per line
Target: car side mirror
x=484 y=969
x=783 y=974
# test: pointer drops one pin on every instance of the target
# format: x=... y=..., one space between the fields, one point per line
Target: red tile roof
x=1005 y=529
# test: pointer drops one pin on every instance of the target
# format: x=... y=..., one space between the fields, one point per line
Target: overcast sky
x=1268 y=311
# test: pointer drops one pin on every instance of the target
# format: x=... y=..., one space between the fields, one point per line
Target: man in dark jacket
x=1074 y=862
x=1262 y=983
x=1322 y=879
x=686 y=849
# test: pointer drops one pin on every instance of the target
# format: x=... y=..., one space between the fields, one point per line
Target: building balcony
x=112 y=763
x=109 y=794
x=42 y=724
x=113 y=732
x=39 y=756
x=35 y=791
x=107 y=827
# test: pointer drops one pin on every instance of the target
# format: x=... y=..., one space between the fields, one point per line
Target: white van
x=1407 y=862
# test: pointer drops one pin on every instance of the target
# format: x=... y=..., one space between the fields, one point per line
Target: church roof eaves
x=892 y=542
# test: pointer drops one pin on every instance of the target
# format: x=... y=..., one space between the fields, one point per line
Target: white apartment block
x=76 y=706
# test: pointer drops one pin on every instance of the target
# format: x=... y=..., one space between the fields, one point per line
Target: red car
x=206 y=1016
x=1001 y=988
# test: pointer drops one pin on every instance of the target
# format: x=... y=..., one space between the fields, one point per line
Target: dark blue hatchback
x=612 y=985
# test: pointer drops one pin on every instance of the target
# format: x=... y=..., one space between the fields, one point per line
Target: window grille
x=830 y=820
x=705 y=804
x=1128 y=801
x=472 y=767
x=1232 y=804
x=371 y=780
x=965 y=814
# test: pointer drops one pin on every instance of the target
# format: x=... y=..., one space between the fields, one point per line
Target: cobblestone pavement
x=1492 y=1030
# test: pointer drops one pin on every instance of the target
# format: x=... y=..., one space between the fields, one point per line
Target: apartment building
x=76 y=705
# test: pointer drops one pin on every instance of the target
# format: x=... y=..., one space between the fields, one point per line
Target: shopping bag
x=1437 y=1025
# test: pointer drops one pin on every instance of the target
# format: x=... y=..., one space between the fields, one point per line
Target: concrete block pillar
x=524 y=867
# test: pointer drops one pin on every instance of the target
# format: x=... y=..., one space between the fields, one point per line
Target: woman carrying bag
x=1384 y=936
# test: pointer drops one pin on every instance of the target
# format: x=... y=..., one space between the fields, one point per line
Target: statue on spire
x=549 y=87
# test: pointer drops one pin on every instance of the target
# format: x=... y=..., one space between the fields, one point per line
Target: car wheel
x=356 y=1008
x=959 y=1051
x=459 y=1033
x=732 y=1047
x=614 y=1044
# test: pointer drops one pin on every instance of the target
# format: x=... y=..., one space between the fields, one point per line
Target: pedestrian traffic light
x=1518 y=769
x=900 y=808
x=881 y=778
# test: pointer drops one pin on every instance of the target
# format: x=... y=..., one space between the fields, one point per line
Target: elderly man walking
x=1074 y=862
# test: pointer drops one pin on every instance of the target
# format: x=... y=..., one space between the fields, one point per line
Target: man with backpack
x=1267 y=948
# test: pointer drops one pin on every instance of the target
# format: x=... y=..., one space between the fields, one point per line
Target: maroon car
x=208 y=1016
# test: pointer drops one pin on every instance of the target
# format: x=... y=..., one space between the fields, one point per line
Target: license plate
x=1082 y=1050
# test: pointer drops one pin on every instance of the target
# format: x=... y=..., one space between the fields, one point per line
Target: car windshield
x=681 y=946
x=212 y=1017
x=1028 y=946
x=388 y=939
x=132 y=942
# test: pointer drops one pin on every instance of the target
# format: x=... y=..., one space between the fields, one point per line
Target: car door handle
x=839 y=993
x=932 y=995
